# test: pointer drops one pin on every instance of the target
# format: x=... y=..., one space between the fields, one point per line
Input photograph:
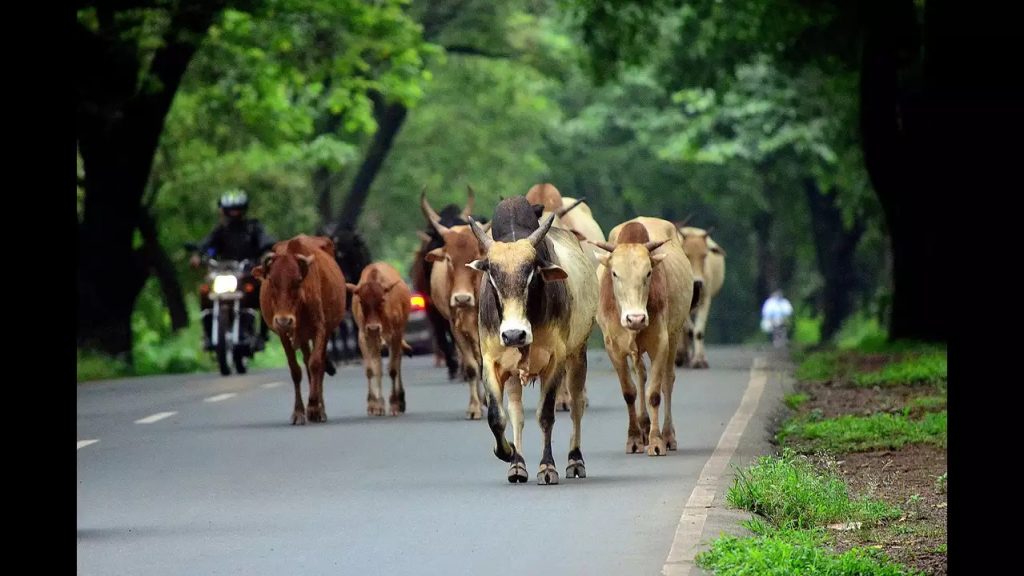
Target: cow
x=707 y=259
x=647 y=288
x=580 y=220
x=352 y=255
x=302 y=299
x=453 y=289
x=538 y=301
x=420 y=273
x=380 y=304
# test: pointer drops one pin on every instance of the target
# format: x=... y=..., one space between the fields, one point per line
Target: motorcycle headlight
x=224 y=283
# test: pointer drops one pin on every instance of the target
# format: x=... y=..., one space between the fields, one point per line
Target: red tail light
x=418 y=302
x=249 y=287
x=204 y=289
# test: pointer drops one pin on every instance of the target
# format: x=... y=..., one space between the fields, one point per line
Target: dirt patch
x=909 y=478
x=832 y=401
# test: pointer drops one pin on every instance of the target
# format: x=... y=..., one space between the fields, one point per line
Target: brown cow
x=646 y=287
x=303 y=299
x=454 y=288
x=380 y=306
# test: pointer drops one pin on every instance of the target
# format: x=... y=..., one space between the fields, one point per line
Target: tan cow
x=380 y=305
x=538 y=301
x=454 y=288
x=646 y=289
x=303 y=299
x=707 y=259
x=580 y=220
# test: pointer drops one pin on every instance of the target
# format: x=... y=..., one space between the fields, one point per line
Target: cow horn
x=539 y=233
x=606 y=246
x=709 y=231
x=432 y=217
x=654 y=244
x=562 y=211
x=684 y=221
x=487 y=226
x=470 y=201
x=481 y=234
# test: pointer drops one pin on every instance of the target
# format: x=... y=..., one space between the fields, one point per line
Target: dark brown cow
x=303 y=300
x=381 y=308
x=454 y=288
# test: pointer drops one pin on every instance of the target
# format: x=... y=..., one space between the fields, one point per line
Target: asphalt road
x=225 y=485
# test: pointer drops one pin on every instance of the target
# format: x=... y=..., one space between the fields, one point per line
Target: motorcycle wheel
x=222 y=346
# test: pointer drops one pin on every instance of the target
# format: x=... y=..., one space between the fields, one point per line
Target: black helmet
x=234 y=199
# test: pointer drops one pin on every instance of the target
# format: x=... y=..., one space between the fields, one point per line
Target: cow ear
x=717 y=250
x=304 y=263
x=480 y=265
x=657 y=259
x=435 y=255
x=551 y=272
x=257 y=273
x=351 y=287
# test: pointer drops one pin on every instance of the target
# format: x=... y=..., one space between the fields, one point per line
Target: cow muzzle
x=462 y=300
x=635 y=321
x=373 y=328
x=285 y=324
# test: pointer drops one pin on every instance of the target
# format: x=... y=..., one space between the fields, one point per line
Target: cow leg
x=700 y=359
x=547 y=473
x=472 y=374
x=515 y=410
x=660 y=364
x=634 y=438
x=668 y=429
x=497 y=419
x=314 y=373
x=320 y=364
x=643 y=385
x=683 y=348
x=397 y=399
x=298 y=412
x=371 y=360
x=444 y=339
x=576 y=377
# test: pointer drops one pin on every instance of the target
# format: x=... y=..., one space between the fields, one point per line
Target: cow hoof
x=517 y=473
x=680 y=361
x=657 y=447
x=575 y=469
x=699 y=364
x=298 y=417
x=561 y=406
x=634 y=445
x=375 y=408
x=316 y=414
x=670 y=443
x=397 y=405
x=547 y=475
x=474 y=413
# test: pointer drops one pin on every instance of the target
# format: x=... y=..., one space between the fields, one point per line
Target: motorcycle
x=234 y=312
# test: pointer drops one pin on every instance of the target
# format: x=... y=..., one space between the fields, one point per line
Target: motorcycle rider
x=234 y=238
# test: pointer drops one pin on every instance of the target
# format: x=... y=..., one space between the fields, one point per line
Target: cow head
x=631 y=262
x=695 y=245
x=372 y=296
x=281 y=276
x=460 y=248
x=515 y=270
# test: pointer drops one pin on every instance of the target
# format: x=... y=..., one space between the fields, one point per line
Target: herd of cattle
x=519 y=296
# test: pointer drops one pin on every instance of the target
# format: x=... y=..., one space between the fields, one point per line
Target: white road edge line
x=272 y=385
x=155 y=417
x=84 y=443
x=220 y=397
x=691 y=524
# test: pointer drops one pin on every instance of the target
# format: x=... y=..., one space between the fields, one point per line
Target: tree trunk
x=835 y=247
x=767 y=272
x=390 y=118
x=118 y=129
x=161 y=266
x=907 y=156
